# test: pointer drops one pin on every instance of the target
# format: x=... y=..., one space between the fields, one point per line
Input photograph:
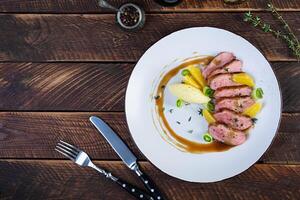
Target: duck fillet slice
x=233 y=120
x=222 y=133
x=219 y=61
x=233 y=67
x=241 y=91
x=238 y=104
x=223 y=80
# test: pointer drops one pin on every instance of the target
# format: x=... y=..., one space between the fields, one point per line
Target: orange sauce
x=181 y=142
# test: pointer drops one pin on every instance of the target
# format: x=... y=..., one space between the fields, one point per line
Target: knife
x=125 y=154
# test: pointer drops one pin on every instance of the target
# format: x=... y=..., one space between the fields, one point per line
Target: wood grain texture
x=82 y=6
x=63 y=86
x=40 y=38
x=95 y=86
x=34 y=135
x=64 y=180
x=288 y=75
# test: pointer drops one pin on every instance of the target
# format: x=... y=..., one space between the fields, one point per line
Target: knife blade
x=115 y=141
x=125 y=154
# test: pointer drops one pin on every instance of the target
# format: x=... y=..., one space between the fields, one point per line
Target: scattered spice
x=190 y=118
x=171 y=110
x=254 y=120
x=200 y=111
x=178 y=122
x=156 y=97
x=190 y=131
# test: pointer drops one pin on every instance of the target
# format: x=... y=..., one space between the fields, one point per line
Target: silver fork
x=82 y=159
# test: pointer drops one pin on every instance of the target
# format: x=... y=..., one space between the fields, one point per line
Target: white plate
x=166 y=54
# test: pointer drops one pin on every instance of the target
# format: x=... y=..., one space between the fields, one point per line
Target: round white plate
x=166 y=54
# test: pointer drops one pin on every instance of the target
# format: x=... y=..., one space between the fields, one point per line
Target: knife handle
x=137 y=193
x=149 y=184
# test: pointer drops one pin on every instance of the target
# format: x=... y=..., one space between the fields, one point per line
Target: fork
x=82 y=159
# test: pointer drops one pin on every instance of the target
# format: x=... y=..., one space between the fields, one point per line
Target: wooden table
x=64 y=60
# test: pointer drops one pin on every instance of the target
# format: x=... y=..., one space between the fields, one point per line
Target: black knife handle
x=134 y=191
x=149 y=184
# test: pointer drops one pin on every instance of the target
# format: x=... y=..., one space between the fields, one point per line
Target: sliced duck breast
x=240 y=91
x=233 y=120
x=221 y=81
x=222 y=133
x=238 y=104
x=233 y=67
x=219 y=61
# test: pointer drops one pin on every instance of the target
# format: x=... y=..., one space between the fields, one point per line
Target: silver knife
x=125 y=154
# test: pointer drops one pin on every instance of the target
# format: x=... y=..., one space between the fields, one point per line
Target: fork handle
x=139 y=194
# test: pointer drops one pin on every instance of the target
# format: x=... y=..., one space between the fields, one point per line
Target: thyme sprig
x=290 y=38
x=284 y=23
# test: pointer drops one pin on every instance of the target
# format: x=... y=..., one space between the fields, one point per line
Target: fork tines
x=67 y=150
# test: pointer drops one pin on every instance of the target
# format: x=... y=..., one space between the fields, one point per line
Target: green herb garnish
x=179 y=103
x=185 y=72
x=207 y=91
x=207 y=137
x=289 y=37
x=258 y=93
x=210 y=106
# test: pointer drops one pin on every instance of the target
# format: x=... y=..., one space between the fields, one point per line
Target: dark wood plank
x=95 y=86
x=288 y=75
x=63 y=86
x=34 y=135
x=81 y=6
x=97 y=38
x=65 y=180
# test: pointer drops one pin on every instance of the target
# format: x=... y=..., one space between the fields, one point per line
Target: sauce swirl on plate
x=181 y=142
